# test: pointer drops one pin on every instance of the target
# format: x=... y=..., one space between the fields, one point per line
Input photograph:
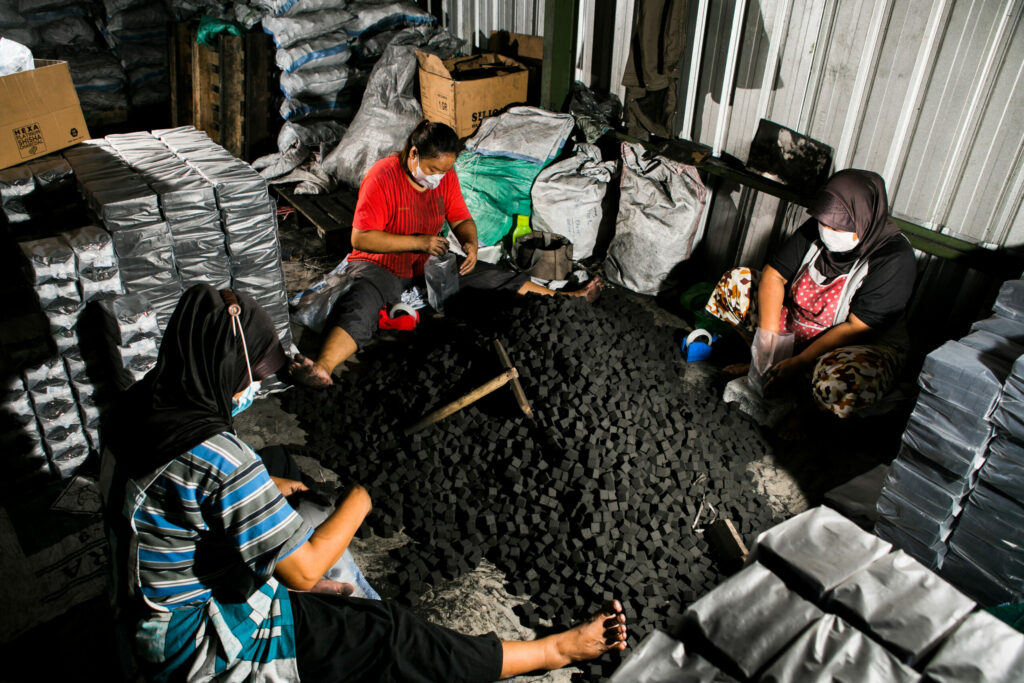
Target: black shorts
x=351 y=639
x=374 y=287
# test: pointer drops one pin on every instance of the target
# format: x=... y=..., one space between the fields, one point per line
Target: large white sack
x=660 y=209
x=567 y=198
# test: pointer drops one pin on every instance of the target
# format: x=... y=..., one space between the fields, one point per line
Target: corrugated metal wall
x=928 y=93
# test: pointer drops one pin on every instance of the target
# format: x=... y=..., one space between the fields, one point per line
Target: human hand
x=470 y=263
x=288 y=487
x=435 y=245
x=784 y=371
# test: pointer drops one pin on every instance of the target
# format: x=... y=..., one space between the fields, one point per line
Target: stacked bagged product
x=249 y=217
x=136 y=30
x=325 y=50
x=21 y=445
x=188 y=204
x=130 y=325
x=98 y=274
x=31 y=190
x=130 y=210
x=965 y=430
x=52 y=271
x=16 y=183
x=824 y=600
x=87 y=397
x=56 y=410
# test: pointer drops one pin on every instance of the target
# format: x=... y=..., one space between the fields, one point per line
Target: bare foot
x=593 y=289
x=307 y=373
x=605 y=631
x=736 y=369
x=332 y=587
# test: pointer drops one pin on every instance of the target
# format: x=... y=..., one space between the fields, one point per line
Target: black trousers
x=351 y=639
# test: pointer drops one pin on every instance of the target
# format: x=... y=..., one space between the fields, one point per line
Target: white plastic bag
x=442 y=276
x=567 y=198
x=768 y=349
x=14 y=57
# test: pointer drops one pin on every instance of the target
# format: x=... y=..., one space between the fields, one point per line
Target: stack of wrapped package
x=56 y=409
x=248 y=216
x=31 y=190
x=130 y=325
x=325 y=51
x=824 y=600
x=23 y=455
x=950 y=498
x=130 y=210
x=136 y=31
x=54 y=275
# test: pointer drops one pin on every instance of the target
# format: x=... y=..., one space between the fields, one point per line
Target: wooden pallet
x=331 y=215
x=227 y=91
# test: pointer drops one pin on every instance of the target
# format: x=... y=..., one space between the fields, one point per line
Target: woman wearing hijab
x=404 y=201
x=840 y=284
x=217 y=565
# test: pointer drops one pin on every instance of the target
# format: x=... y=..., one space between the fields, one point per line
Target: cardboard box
x=40 y=113
x=528 y=51
x=463 y=91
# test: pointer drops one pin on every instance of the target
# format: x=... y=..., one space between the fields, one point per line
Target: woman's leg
x=354 y=321
x=851 y=378
x=489 y=276
x=590 y=292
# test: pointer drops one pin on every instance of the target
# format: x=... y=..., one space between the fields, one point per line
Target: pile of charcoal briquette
x=597 y=496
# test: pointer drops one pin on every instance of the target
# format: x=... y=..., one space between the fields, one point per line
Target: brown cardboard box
x=40 y=113
x=525 y=49
x=461 y=92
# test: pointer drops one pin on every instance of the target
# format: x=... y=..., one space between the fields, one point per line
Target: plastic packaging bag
x=567 y=198
x=768 y=349
x=14 y=57
x=660 y=212
x=442 y=276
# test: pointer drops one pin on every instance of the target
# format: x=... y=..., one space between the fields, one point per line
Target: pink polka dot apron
x=811 y=307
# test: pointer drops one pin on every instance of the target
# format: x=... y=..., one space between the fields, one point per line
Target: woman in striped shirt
x=222 y=574
x=404 y=201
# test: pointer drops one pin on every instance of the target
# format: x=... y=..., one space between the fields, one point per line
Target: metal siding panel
x=716 y=44
x=945 y=108
x=795 y=62
x=994 y=161
x=750 y=75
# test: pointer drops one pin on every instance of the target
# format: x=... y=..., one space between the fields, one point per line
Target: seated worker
x=218 y=564
x=403 y=203
x=840 y=284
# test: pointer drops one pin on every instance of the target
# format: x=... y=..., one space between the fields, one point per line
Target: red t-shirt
x=388 y=202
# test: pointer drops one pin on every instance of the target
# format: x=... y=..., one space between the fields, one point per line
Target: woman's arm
x=851 y=332
x=771 y=293
x=381 y=242
x=303 y=568
x=466 y=232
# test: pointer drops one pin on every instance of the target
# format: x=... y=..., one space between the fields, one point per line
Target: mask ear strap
x=235 y=312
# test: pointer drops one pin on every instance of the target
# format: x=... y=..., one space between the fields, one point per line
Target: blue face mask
x=240 y=403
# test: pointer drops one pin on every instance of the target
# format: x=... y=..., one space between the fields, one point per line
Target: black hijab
x=186 y=398
x=852 y=201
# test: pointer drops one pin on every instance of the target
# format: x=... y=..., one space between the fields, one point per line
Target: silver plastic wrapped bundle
x=1012 y=330
x=186 y=198
x=21 y=445
x=51 y=172
x=981 y=650
x=98 y=273
x=792 y=550
x=832 y=650
x=50 y=259
x=1009 y=413
x=1004 y=468
x=903 y=604
x=15 y=184
x=965 y=377
x=982 y=586
x=250 y=229
x=750 y=618
x=128 y=319
x=991 y=533
x=912 y=485
x=1010 y=301
x=145 y=255
x=133 y=361
x=84 y=391
x=57 y=414
x=994 y=344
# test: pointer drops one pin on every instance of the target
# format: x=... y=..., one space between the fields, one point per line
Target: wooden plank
x=261 y=122
x=232 y=92
x=204 y=94
x=180 y=72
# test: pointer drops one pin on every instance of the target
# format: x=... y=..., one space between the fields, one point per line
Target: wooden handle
x=457 y=405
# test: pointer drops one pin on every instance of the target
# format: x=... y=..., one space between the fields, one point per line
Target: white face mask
x=837 y=240
x=427 y=181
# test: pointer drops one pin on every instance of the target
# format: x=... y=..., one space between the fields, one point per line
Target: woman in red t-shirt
x=404 y=201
